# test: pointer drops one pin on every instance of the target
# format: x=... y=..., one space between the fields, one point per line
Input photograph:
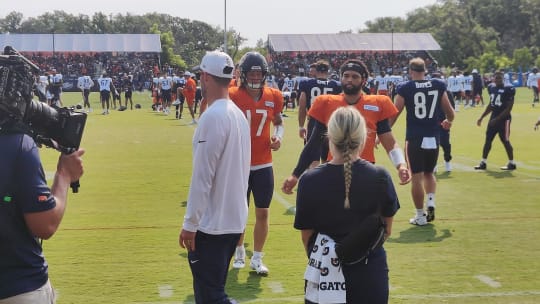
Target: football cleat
x=419 y=220
x=481 y=166
x=448 y=166
x=430 y=213
x=239 y=257
x=510 y=166
x=258 y=266
x=239 y=263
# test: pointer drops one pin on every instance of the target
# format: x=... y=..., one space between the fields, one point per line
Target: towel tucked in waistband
x=325 y=281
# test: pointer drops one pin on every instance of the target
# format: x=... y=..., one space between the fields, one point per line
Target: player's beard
x=351 y=89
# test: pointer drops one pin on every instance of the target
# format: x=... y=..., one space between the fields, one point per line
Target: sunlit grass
x=118 y=242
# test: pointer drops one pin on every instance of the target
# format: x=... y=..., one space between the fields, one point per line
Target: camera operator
x=29 y=209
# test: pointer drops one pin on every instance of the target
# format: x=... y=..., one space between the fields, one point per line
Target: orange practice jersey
x=190 y=88
x=233 y=83
x=260 y=114
x=374 y=108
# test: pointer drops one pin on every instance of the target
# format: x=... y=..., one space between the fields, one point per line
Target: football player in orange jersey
x=189 y=90
x=262 y=106
x=376 y=109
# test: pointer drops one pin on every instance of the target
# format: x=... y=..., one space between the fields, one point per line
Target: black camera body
x=58 y=128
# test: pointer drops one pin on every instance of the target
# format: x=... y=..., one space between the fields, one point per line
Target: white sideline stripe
x=276 y=287
x=165 y=291
x=488 y=281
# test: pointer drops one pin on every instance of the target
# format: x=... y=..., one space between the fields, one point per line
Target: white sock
x=484 y=160
x=419 y=212
x=431 y=199
x=240 y=252
x=257 y=255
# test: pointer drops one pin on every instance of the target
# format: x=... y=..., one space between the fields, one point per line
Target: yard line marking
x=519 y=164
x=274 y=300
x=468 y=295
x=488 y=281
x=165 y=291
x=455 y=165
x=284 y=202
x=392 y=296
x=276 y=287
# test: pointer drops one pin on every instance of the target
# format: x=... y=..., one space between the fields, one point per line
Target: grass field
x=118 y=242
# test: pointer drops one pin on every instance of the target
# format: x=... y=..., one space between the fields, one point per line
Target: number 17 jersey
x=260 y=115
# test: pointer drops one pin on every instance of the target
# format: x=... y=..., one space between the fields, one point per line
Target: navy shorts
x=261 y=184
x=105 y=95
x=419 y=159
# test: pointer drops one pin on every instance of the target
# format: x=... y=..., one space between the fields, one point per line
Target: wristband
x=396 y=156
x=279 y=130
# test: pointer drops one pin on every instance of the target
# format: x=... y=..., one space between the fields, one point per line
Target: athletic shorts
x=261 y=184
x=419 y=159
x=105 y=95
x=166 y=95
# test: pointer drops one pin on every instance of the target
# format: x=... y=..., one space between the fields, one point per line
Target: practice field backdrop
x=118 y=242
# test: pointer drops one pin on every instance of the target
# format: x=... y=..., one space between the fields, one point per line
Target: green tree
x=522 y=59
x=12 y=22
x=167 y=55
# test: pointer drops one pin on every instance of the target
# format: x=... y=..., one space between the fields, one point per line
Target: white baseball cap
x=218 y=64
x=474 y=71
x=187 y=73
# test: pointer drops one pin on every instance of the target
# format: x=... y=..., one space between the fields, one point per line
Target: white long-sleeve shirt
x=85 y=83
x=532 y=80
x=217 y=201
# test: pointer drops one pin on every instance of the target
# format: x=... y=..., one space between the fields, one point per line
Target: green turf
x=118 y=242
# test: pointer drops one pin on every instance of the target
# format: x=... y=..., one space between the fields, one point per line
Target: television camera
x=57 y=128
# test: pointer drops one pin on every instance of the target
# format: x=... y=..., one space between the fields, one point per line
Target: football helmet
x=253 y=61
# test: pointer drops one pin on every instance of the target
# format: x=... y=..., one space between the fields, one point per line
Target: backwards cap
x=218 y=64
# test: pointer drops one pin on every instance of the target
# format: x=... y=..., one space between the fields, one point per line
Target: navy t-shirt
x=321 y=195
x=23 y=189
x=423 y=104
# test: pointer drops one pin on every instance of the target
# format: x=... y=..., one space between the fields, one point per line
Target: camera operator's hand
x=70 y=166
x=69 y=169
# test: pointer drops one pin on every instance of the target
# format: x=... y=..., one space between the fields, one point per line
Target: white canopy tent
x=52 y=42
x=347 y=42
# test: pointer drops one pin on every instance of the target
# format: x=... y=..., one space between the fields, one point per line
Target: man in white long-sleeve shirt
x=532 y=82
x=85 y=84
x=217 y=207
